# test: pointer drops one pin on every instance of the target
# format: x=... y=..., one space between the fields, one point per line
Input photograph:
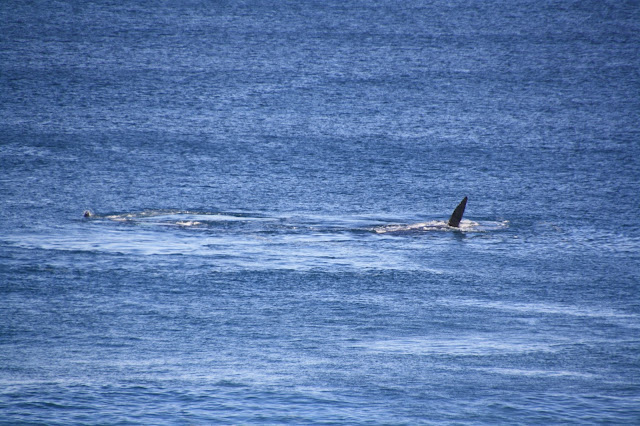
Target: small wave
x=458 y=346
x=188 y=223
x=537 y=373
x=548 y=308
x=226 y=383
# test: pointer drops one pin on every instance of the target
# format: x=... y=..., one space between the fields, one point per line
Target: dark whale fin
x=456 y=217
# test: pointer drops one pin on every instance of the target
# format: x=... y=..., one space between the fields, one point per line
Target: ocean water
x=269 y=184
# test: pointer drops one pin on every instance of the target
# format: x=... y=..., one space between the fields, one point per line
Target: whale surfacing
x=456 y=217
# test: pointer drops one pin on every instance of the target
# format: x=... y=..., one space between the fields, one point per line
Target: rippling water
x=270 y=184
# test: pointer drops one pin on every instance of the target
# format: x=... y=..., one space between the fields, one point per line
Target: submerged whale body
x=456 y=216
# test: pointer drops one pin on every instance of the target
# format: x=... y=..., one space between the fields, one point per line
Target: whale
x=212 y=219
x=456 y=216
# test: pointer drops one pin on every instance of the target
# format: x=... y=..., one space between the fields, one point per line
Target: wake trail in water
x=181 y=218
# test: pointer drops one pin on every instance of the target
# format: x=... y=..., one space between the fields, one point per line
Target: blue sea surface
x=269 y=184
